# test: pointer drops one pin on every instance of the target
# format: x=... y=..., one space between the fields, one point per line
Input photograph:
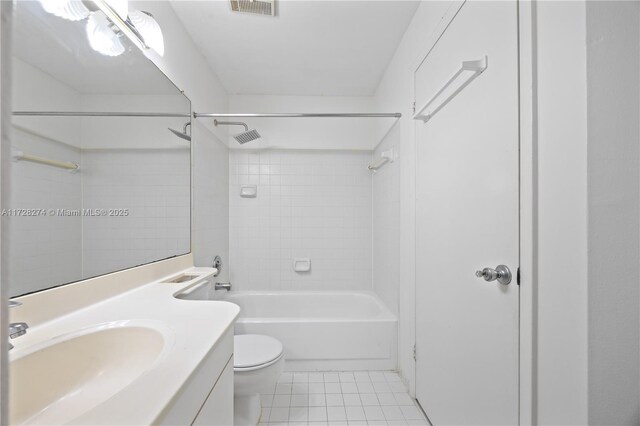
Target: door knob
x=501 y=273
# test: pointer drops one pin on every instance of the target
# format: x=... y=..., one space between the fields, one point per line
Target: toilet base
x=246 y=410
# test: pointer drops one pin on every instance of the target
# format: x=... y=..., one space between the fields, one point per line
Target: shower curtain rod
x=300 y=115
x=98 y=114
x=209 y=115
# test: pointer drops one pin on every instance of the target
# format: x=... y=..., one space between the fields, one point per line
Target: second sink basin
x=59 y=380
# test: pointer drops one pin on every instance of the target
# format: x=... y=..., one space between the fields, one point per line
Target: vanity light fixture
x=107 y=21
x=121 y=7
x=148 y=29
x=122 y=25
x=72 y=10
x=140 y=27
x=101 y=37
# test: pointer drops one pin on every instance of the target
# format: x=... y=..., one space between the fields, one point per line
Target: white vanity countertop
x=191 y=330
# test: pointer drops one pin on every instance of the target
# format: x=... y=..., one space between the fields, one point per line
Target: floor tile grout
x=348 y=398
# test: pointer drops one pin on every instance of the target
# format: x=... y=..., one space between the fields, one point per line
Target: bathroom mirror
x=98 y=181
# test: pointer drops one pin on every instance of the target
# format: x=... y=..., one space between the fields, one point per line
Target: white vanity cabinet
x=207 y=397
x=218 y=408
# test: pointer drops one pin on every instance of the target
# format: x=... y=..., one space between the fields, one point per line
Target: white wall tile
x=386 y=225
x=159 y=219
x=210 y=228
x=43 y=250
x=310 y=204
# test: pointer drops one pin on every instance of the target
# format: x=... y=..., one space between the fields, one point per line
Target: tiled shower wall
x=386 y=225
x=154 y=184
x=43 y=249
x=310 y=204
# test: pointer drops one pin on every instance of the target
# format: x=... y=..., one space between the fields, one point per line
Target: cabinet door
x=218 y=408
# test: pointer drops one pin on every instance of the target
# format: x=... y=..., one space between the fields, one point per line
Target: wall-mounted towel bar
x=433 y=105
x=21 y=156
x=385 y=157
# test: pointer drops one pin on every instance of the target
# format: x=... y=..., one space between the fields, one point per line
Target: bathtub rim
x=385 y=314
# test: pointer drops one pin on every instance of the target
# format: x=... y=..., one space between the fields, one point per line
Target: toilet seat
x=255 y=351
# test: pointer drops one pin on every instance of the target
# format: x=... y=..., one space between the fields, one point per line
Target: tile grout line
x=400 y=412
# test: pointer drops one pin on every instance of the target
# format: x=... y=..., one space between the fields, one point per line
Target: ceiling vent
x=257 y=7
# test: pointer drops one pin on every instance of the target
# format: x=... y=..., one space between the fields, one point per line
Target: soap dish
x=302 y=264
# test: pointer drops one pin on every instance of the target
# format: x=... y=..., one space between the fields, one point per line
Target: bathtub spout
x=223 y=286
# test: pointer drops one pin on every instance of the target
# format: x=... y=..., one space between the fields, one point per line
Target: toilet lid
x=252 y=350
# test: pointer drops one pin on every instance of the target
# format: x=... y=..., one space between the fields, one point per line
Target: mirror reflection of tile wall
x=129 y=202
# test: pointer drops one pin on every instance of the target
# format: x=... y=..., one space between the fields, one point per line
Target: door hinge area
x=518 y=276
x=413 y=107
x=414 y=353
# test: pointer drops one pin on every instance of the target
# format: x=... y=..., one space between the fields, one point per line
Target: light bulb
x=148 y=29
x=101 y=37
x=73 y=10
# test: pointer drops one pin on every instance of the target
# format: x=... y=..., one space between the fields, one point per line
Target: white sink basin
x=58 y=380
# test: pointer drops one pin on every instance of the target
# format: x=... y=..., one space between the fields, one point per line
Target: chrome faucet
x=16 y=329
x=223 y=286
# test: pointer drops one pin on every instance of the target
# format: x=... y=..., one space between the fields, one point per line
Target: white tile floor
x=357 y=398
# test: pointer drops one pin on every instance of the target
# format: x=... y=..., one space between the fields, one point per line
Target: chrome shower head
x=183 y=135
x=244 y=137
x=249 y=136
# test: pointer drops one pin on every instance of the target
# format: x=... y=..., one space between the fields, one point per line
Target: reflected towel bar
x=477 y=67
x=385 y=157
x=378 y=163
x=19 y=155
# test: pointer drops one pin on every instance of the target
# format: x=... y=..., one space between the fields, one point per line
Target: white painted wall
x=562 y=215
x=34 y=90
x=132 y=132
x=395 y=92
x=186 y=67
x=613 y=36
x=310 y=204
x=38 y=91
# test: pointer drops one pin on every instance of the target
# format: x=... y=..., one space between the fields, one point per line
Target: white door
x=466 y=220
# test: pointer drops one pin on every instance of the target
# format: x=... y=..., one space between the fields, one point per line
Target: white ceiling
x=335 y=48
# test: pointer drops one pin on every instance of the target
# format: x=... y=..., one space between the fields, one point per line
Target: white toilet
x=258 y=361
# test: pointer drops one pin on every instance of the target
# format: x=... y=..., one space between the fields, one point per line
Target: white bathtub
x=319 y=330
x=322 y=330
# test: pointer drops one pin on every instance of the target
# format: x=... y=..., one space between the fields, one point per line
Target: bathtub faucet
x=223 y=286
x=16 y=329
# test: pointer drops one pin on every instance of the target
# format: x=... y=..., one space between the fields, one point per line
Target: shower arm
x=230 y=123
